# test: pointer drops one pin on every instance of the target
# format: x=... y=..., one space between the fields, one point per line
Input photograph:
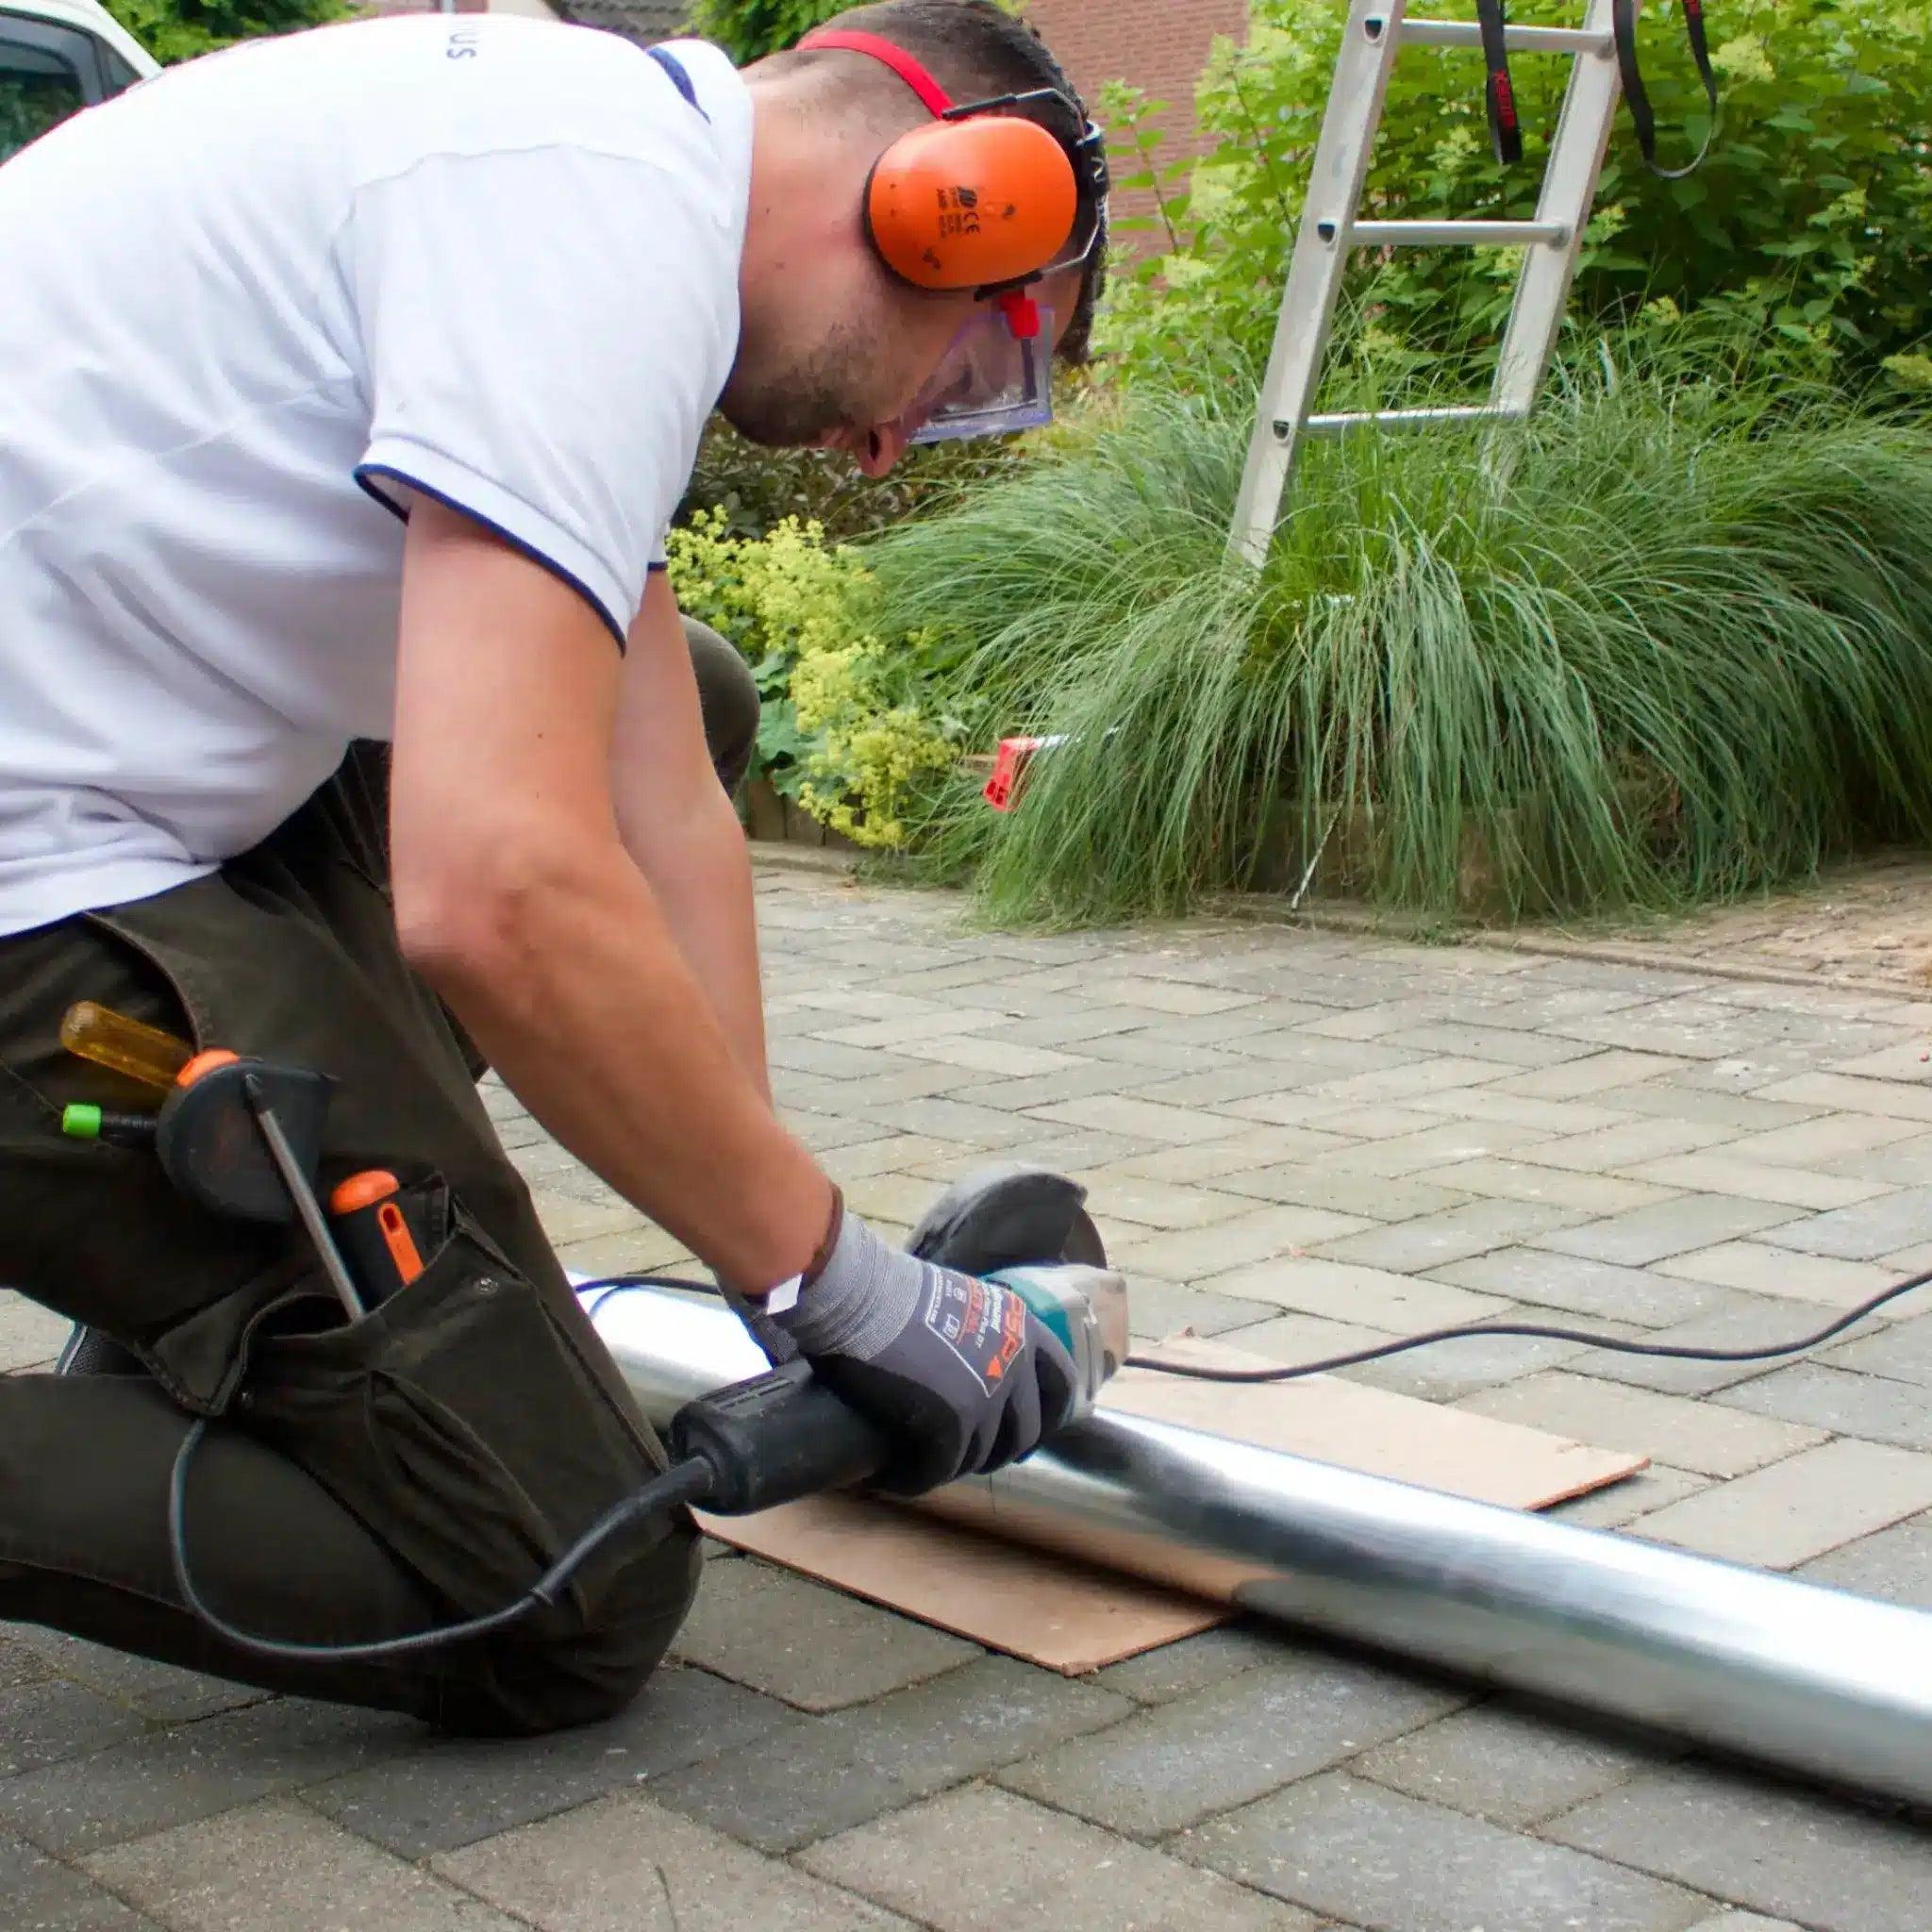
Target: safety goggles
x=996 y=378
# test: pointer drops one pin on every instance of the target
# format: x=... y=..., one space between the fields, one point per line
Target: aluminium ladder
x=1376 y=32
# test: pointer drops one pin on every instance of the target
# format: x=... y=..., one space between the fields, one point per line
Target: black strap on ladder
x=1499 y=98
x=1624 y=28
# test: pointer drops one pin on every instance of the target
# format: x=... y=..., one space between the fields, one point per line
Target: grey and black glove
x=958 y=1369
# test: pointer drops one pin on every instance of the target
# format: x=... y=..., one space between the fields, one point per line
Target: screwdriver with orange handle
x=367 y=1247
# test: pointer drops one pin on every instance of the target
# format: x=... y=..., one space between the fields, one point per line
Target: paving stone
x=1902 y=1353
x=278 y=1863
x=1524 y=1180
x=18 y=1664
x=623 y=1864
x=1644 y=1235
x=1437 y=1239
x=1596 y=1073
x=1607 y=1149
x=1777 y=1849
x=1635 y=1297
x=1384 y=1122
x=956 y=1121
x=1895 y=1564
x=1744 y=1922
x=1868 y=1407
x=154 y=1690
x=1722 y=1173
x=30 y=1334
x=1187 y=1759
x=1800 y=1507
x=1123 y=1195
x=1417 y=1077
x=1157 y=1308
x=827 y=1773
x=1753 y=1113
x=1512 y=1763
x=1209 y=1089
x=1452 y=1369
x=1624 y=1502
x=457 y=1790
x=1905 y=1163
x=980 y=1860
x=1519 y=1047
x=1738 y=1323
x=1369 y=1197
x=172 y=1777
x=812 y=1647
x=1261 y=1234
x=38 y=1895
x=1350 y=1293
x=1196 y=1663
x=1149 y=1119
x=1300 y=1056
x=1832 y=1137
x=1761 y=1269
x=45 y=1721
x=1703 y=1437
x=1848 y=1093
x=1888 y=1063
x=1857 y=1233
x=1250 y=1147
x=1345 y=1846
x=1440 y=1143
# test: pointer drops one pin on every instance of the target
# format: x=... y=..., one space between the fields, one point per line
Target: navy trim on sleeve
x=679 y=78
x=517 y=544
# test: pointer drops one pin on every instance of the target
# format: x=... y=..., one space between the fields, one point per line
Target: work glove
x=958 y=1370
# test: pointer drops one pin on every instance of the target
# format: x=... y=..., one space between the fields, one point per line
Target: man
x=351 y=380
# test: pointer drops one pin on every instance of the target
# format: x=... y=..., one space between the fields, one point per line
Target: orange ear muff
x=972 y=203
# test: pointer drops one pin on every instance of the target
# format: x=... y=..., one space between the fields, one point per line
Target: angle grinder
x=785 y=1434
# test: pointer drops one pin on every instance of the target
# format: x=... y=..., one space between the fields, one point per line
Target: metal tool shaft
x=1812 y=1679
x=306 y=1205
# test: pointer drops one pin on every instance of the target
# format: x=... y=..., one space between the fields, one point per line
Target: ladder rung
x=1531 y=40
x=1448 y=234
x=1403 y=419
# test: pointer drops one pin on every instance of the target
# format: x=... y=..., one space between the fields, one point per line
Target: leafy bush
x=837 y=731
x=1672 y=637
x=754 y=488
x=180 y=29
x=750 y=29
x=1810 y=221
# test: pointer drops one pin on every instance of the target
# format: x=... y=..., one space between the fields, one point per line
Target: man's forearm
x=701 y=878
x=591 y=1010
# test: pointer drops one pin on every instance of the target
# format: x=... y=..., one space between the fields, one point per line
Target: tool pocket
x=458 y=1421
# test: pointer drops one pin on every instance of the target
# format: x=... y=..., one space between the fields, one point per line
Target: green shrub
x=1810 y=221
x=1672 y=637
x=837 y=731
x=750 y=29
x=180 y=29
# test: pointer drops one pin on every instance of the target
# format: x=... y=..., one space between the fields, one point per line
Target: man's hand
x=959 y=1370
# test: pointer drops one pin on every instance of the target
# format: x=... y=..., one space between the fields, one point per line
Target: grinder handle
x=776 y=1438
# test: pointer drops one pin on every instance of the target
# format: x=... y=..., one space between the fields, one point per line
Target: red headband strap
x=832 y=40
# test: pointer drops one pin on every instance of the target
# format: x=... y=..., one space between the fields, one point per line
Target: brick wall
x=1157 y=44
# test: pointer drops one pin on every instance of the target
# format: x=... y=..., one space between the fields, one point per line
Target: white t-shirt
x=249 y=307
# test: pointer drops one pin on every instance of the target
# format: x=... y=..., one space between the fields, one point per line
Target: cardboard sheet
x=1071 y=1618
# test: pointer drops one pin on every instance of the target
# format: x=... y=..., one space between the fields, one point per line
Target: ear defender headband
x=984 y=198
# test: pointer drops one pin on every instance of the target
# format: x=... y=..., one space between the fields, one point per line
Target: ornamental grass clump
x=1671 y=639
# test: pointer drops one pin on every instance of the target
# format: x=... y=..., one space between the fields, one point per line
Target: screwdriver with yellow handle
x=128 y=1047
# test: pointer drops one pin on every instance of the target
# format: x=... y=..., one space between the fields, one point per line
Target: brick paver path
x=1301 y=1141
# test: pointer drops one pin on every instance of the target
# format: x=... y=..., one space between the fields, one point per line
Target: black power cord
x=683 y=1482
x=1680 y=1351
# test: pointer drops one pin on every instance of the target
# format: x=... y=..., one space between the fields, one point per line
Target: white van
x=57 y=56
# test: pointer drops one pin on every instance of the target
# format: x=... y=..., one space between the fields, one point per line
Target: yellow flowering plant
x=842 y=731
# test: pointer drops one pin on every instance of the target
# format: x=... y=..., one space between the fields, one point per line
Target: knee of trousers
x=728 y=697
x=511 y=1688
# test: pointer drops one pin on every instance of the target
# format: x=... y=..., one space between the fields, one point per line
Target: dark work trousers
x=362 y=1479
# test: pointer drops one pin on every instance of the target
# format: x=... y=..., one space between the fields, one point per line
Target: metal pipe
x=1812 y=1679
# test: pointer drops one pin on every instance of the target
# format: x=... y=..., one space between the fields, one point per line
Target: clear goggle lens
x=990 y=382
